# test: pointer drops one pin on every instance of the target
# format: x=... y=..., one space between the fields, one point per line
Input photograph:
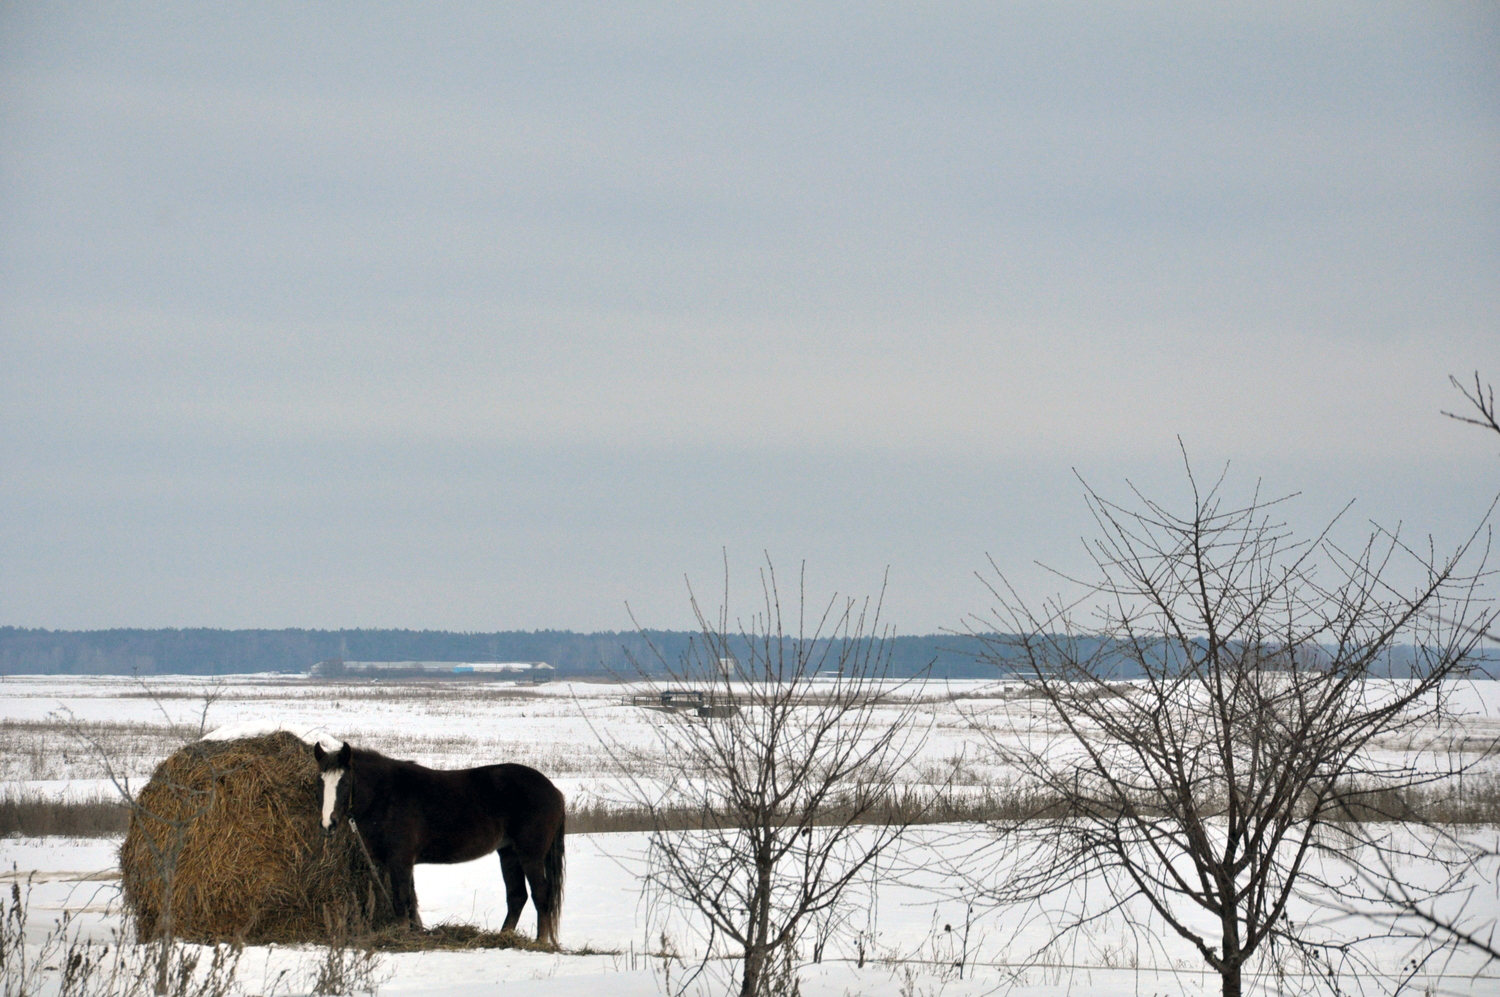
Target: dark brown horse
x=406 y=813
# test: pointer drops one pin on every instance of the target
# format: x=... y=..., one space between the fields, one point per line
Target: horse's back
x=468 y=812
x=521 y=783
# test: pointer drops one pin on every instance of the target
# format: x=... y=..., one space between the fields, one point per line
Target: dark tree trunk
x=755 y=968
x=757 y=951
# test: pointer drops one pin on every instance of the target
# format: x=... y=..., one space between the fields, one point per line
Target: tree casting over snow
x=1214 y=723
x=775 y=803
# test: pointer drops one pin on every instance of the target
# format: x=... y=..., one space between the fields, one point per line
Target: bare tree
x=1218 y=715
x=1461 y=926
x=782 y=774
x=1482 y=402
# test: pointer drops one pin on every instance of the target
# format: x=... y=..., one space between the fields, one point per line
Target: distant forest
x=219 y=652
x=604 y=654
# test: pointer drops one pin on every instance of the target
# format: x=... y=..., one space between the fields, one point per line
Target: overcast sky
x=499 y=317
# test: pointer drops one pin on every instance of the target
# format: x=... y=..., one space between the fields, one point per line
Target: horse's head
x=333 y=766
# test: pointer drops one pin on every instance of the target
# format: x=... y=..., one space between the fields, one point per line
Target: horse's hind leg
x=543 y=900
x=515 y=887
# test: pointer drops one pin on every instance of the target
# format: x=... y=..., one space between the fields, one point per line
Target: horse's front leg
x=404 y=894
x=515 y=887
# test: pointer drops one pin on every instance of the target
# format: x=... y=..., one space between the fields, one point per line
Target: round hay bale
x=234 y=828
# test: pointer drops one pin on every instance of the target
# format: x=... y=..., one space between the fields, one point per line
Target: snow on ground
x=557 y=729
x=560 y=728
x=605 y=910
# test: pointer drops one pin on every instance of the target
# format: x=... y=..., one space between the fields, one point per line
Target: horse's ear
x=318 y=753
x=346 y=753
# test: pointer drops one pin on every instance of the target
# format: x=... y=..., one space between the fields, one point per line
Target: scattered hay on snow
x=234 y=827
x=453 y=937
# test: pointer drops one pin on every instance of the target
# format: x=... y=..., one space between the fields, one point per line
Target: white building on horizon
x=335 y=667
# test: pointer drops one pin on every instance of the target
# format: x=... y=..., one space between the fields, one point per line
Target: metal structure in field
x=696 y=701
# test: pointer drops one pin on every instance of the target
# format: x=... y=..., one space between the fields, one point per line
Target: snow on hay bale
x=234 y=826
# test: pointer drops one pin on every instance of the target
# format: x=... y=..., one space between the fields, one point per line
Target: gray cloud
x=292 y=300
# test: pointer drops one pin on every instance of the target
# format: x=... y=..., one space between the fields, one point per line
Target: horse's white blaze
x=330 y=793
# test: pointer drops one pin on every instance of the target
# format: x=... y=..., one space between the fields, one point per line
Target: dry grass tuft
x=35 y=816
x=233 y=828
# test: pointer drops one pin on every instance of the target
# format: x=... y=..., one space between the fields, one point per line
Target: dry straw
x=233 y=827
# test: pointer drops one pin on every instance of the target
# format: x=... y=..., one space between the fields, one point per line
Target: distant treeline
x=218 y=652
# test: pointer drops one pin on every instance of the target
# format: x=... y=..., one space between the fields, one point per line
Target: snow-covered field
x=557 y=728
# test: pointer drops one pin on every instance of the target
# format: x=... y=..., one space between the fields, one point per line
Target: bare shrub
x=782 y=779
x=67 y=964
x=347 y=969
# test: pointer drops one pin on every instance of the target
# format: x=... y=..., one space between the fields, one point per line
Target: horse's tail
x=554 y=869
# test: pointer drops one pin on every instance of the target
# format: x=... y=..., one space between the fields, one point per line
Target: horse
x=405 y=813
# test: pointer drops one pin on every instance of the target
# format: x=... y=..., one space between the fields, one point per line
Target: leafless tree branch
x=1481 y=399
